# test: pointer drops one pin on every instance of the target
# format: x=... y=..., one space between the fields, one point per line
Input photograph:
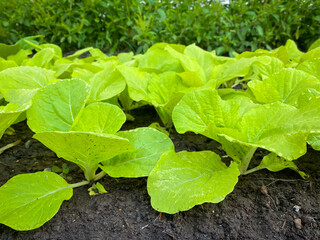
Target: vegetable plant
x=268 y=99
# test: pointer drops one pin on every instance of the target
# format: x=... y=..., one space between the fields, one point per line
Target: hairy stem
x=246 y=161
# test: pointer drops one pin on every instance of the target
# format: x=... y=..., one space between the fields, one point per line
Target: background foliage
x=135 y=25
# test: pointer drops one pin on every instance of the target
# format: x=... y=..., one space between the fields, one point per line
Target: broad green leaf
x=311 y=66
x=294 y=53
x=156 y=59
x=193 y=74
x=236 y=68
x=314 y=141
x=20 y=56
x=314 y=53
x=19 y=84
x=30 y=200
x=55 y=107
x=125 y=57
x=85 y=149
x=4 y=64
x=277 y=127
x=182 y=180
x=41 y=58
x=107 y=83
x=274 y=163
x=285 y=86
x=7 y=50
x=149 y=143
x=152 y=87
x=57 y=50
x=314 y=45
x=100 y=118
x=204 y=112
x=137 y=82
x=9 y=114
x=262 y=71
x=205 y=59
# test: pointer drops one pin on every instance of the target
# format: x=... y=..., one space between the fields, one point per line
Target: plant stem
x=99 y=176
x=79 y=184
x=9 y=146
x=246 y=161
x=252 y=170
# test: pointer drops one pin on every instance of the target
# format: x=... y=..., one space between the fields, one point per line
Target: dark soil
x=125 y=211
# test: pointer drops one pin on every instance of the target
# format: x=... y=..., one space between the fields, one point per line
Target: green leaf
x=20 y=57
x=55 y=107
x=262 y=71
x=41 y=58
x=100 y=188
x=100 y=118
x=285 y=86
x=236 y=68
x=87 y=150
x=294 y=53
x=274 y=163
x=30 y=200
x=182 y=180
x=191 y=68
x=9 y=114
x=311 y=66
x=314 y=53
x=149 y=143
x=314 y=45
x=4 y=64
x=277 y=127
x=19 y=84
x=206 y=60
x=158 y=59
x=107 y=83
x=7 y=50
x=314 y=141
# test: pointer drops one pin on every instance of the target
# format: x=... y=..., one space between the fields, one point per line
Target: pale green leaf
x=85 y=149
x=311 y=66
x=19 y=84
x=149 y=143
x=4 y=64
x=285 y=86
x=314 y=45
x=294 y=53
x=9 y=114
x=314 y=53
x=314 y=141
x=182 y=180
x=277 y=127
x=107 y=83
x=30 y=200
x=7 y=50
x=100 y=118
x=157 y=59
x=21 y=56
x=236 y=68
x=274 y=163
x=55 y=107
x=41 y=58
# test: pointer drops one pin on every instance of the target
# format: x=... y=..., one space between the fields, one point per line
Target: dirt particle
x=298 y=223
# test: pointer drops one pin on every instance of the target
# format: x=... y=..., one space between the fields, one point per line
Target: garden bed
x=249 y=212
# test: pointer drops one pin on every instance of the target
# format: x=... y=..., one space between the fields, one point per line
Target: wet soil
x=288 y=210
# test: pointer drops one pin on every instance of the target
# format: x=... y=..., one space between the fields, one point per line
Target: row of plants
x=136 y=25
x=77 y=106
